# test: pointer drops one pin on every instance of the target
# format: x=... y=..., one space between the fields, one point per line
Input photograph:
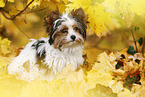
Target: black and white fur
x=64 y=46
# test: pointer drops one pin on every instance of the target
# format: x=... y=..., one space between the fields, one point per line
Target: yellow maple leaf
x=61 y=7
x=97 y=16
x=14 y=11
x=102 y=73
x=2 y=3
x=137 y=90
x=106 y=61
x=98 y=73
x=126 y=93
x=34 y=4
x=4 y=46
x=52 y=5
x=116 y=86
x=100 y=91
x=94 y=77
x=55 y=5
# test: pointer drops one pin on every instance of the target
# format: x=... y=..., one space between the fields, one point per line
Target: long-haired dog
x=63 y=46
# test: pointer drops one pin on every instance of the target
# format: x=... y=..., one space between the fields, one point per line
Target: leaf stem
x=143 y=47
x=134 y=39
x=24 y=12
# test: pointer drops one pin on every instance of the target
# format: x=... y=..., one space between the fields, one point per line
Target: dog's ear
x=50 y=20
x=79 y=14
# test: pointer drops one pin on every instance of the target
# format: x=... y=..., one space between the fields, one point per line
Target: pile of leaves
x=113 y=74
x=122 y=72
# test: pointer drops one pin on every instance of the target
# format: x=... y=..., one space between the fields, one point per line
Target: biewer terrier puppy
x=63 y=46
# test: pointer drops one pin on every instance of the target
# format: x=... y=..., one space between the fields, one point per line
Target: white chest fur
x=54 y=59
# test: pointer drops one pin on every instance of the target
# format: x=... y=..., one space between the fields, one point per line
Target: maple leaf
x=34 y=4
x=116 y=86
x=126 y=93
x=119 y=71
x=52 y=5
x=55 y=5
x=4 y=46
x=100 y=91
x=97 y=16
x=61 y=7
x=2 y=3
x=14 y=11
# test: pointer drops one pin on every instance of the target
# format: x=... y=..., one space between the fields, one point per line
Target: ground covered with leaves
x=113 y=52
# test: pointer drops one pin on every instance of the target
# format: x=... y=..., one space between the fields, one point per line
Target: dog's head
x=67 y=30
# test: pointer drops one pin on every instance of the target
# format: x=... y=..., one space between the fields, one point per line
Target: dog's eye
x=64 y=31
x=76 y=28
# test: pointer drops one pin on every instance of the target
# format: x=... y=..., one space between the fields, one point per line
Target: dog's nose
x=73 y=37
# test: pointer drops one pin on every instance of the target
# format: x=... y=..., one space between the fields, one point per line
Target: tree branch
x=11 y=18
x=13 y=22
x=22 y=10
x=3 y=13
x=31 y=11
x=21 y=30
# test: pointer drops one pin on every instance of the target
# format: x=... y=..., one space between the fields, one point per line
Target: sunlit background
x=111 y=28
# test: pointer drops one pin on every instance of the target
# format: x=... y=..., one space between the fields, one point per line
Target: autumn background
x=114 y=49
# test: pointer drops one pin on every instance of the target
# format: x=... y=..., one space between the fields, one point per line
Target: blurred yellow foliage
x=51 y=4
x=72 y=84
x=4 y=46
x=121 y=6
x=2 y=3
x=126 y=8
x=11 y=0
x=4 y=50
x=102 y=79
x=98 y=81
x=97 y=16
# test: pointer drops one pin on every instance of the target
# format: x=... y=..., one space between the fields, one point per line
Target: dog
x=63 y=46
